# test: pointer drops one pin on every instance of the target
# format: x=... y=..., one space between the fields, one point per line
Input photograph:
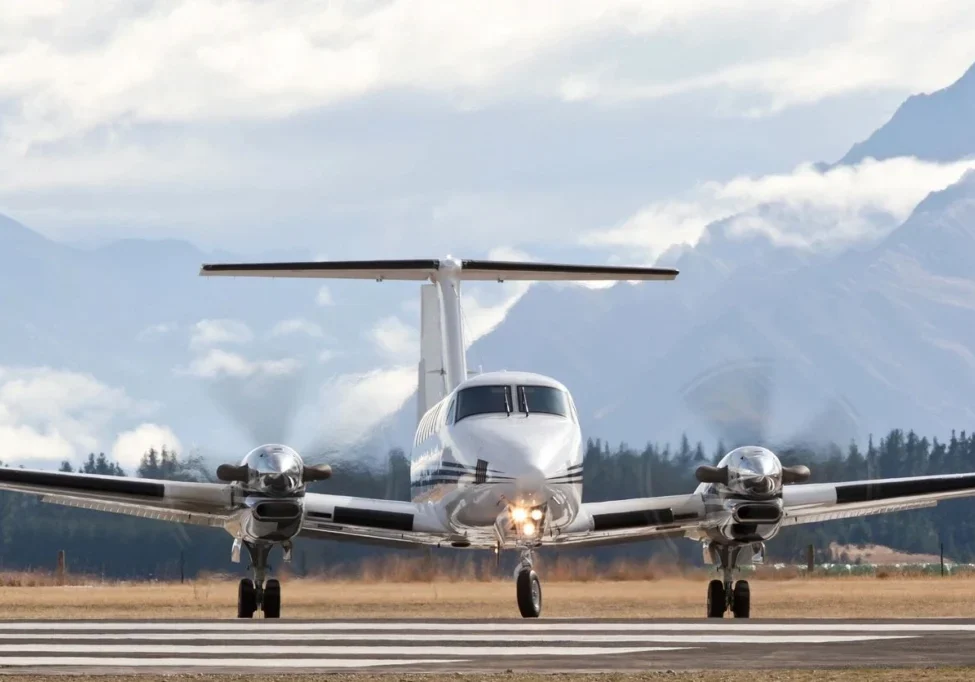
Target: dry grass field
x=893 y=596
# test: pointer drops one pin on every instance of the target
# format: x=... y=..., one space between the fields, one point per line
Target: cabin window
x=483 y=400
x=543 y=400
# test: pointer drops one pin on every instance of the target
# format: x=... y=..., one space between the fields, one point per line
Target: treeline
x=31 y=532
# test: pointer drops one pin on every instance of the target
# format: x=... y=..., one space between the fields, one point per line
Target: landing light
x=528 y=529
x=518 y=514
x=537 y=514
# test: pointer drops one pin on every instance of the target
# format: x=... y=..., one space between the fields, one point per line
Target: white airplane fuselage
x=498 y=442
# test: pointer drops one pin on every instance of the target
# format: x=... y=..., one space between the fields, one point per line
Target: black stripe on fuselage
x=319 y=515
x=849 y=493
x=633 y=519
x=373 y=518
x=64 y=481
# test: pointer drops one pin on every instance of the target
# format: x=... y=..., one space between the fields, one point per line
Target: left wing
x=813 y=502
x=374 y=521
x=207 y=504
x=644 y=518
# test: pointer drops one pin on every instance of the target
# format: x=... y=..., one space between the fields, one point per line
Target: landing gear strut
x=257 y=593
x=727 y=595
x=528 y=587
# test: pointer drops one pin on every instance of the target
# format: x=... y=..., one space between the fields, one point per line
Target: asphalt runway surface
x=545 y=645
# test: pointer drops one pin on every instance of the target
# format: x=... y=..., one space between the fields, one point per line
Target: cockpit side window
x=483 y=400
x=544 y=400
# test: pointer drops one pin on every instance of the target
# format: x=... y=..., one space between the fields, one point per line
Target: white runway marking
x=324 y=645
x=261 y=649
x=26 y=661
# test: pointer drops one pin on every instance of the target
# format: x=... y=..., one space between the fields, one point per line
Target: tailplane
x=443 y=362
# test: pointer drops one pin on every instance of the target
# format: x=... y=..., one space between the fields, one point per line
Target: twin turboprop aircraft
x=496 y=464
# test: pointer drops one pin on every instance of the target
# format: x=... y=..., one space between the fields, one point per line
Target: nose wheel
x=258 y=594
x=528 y=588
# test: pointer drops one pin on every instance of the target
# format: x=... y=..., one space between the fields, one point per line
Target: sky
x=604 y=130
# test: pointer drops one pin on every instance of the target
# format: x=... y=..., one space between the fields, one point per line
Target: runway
x=548 y=645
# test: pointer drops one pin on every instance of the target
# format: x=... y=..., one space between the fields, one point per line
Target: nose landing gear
x=528 y=587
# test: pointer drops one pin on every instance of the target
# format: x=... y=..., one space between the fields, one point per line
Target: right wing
x=206 y=504
x=643 y=518
x=814 y=502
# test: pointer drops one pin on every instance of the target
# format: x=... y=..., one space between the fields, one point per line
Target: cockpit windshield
x=543 y=399
x=483 y=400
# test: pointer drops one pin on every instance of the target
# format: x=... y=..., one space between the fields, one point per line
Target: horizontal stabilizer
x=427 y=269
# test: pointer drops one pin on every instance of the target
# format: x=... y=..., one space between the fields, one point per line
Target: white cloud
x=396 y=340
x=352 y=404
x=157 y=330
x=92 y=64
x=49 y=415
x=131 y=445
x=216 y=332
x=324 y=296
x=840 y=206
x=297 y=326
x=216 y=363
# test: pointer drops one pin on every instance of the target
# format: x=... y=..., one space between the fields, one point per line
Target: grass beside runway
x=836 y=597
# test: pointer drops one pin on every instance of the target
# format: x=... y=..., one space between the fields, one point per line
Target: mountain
x=133 y=316
x=857 y=338
x=932 y=127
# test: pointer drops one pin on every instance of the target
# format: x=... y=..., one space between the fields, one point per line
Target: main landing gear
x=528 y=587
x=726 y=595
x=257 y=594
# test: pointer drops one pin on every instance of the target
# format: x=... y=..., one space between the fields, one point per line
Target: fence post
x=942 y=560
x=181 y=572
x=62 y=567
x=810 y=559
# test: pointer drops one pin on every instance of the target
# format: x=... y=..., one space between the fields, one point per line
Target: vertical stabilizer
x=430 y=372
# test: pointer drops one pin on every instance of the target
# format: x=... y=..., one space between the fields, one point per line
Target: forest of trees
x=31 y=532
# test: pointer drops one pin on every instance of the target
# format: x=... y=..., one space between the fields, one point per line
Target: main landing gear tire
x=246 y=599
x=716 y=599
x=529 y=590
x=741 y=600
x=271 y=604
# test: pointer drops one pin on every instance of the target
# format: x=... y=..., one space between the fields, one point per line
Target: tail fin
x=431 y=388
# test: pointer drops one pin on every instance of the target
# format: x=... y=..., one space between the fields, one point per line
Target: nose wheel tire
x=529 y=591
x=741 y=600
x=246 y=599
x=716 y=599
x=271 y=604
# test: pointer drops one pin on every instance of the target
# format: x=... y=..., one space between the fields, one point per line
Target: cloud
x=351 y=405
x=49 y=415
x=217 y=363
x=157 y=330
x=94 y=64
x=396 y=340
x=216 y=332
x=131 y=445
x=297 y=326
x=324 y=296
x=805 y=208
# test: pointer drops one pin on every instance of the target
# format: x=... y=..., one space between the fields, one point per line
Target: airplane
x=496 y=464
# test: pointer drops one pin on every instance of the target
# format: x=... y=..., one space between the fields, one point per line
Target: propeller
x=735 y=402
x=265 y=408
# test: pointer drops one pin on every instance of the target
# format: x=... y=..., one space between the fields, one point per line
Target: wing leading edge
x=209 y=504
x=813 y=502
